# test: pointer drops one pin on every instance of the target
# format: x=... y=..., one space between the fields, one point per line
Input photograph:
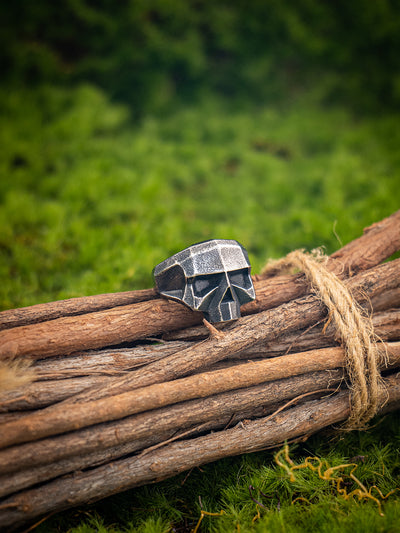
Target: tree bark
x=216 y=410
x=57 y=419
x=385 y=301
x=105 y=362
x=119 y=401
x=42 y=394
x=180 y=456
x=94 y=406
x=71 y=307
x=62 y=378
x=124 y=400
x=109 y=362
x=11 y=483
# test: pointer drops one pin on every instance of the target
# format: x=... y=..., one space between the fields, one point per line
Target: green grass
x=91 y=201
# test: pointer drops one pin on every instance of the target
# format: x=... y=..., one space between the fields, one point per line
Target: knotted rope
x=353 y=329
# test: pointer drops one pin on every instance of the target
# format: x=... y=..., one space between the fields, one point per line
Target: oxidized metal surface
x=211 y=276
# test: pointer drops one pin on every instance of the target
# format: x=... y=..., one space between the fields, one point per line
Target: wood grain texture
x=248 y=331
x=383 y=302
x=56 y=420
x=155 y=423
x=62 y=378
x=177 y=457
x=71 y=307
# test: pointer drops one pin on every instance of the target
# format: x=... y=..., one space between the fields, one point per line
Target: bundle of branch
x=130 y=388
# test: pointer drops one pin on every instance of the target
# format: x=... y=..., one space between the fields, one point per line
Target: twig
x=71 y=307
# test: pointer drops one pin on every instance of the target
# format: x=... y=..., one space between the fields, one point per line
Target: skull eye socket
x=240 y=278
x=171 y=282
x=203 y=285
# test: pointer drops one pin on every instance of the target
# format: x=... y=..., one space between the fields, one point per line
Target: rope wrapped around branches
x=353 y=327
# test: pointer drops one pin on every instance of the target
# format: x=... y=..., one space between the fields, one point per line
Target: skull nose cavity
x=228 y=296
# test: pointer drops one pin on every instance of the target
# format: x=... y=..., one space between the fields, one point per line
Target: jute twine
x=353 y=328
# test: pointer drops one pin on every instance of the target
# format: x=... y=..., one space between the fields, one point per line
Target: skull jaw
x=224 y=312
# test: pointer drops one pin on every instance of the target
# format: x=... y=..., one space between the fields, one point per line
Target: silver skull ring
x=211 y=276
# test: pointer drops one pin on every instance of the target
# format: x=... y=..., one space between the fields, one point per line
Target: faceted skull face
x=212 y=277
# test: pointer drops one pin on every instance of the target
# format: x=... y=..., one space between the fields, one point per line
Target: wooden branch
x=217 y=409
x=95 y=367
x=58 y=419
x=41 y=394
x=361 y=254
x=14 y=415
x=120 y=401
x=348 y=260
x=105 y=362
x=387 y=300
x=71 y=307
x=180 y=456
x=109 y=362
x=95 y=330
x=136 y=321
x=27 y=478
x=84 y=371
x=22 y=479
x=386 y=327
x=384 y=301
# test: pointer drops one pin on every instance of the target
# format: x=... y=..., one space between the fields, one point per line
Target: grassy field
x=91 y=201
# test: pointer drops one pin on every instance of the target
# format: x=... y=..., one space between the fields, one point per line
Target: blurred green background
x=131 y=129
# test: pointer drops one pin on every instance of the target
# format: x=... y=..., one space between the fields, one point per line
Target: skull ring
x=211 y=276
